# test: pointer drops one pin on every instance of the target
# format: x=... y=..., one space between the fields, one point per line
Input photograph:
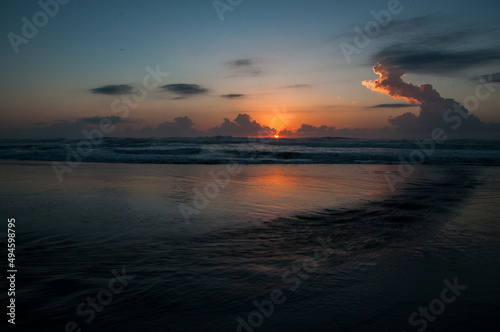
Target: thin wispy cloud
x=297 y=86
x=244 y=67
x=241 y=62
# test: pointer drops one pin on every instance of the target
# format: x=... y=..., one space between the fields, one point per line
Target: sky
x=377 y=69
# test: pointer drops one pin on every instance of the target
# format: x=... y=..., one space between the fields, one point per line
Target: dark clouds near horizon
x=403 y=127
x=111 y=119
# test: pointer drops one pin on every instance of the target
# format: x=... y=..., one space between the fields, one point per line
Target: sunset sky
x=277 y=62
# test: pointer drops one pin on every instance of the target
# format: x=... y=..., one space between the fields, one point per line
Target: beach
x=250 y=166
x=333 y=245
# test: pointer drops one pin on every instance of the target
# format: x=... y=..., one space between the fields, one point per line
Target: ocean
x=228 y=234
x=221 y=150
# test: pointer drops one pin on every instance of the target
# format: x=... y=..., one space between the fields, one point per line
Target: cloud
x=417 y=60
x=113 y=90
x=59 y=129
x=241 y=126
x=241 y=62
x=180 y=127
x=391 y=83
x=436 y=46
x=233 y=96
x=393 y=105
x=307 y=130
x=433 y=106
x=113 y=119
x=185 y=90
x=490 y=78
x=435 y=43
x=73 y=129
x=244 y=126
x=244 y=67
x=297 y=86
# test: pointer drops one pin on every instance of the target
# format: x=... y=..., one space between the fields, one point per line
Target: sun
x=276 y=136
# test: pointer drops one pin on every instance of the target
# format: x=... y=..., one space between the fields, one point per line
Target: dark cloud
x=113 y=89
x=73 y=129
x=490 y=78
x=233 y=96
x=429 y=44
x=406 y=126
x=307 y=130
x=180 y=127
x=59 y=129
x=185 y=90
x=244 y=67
x=394 y=105
x=416 y=60
x=113 y=119
x=437 y=46
x=242 y=126
x=241 y=62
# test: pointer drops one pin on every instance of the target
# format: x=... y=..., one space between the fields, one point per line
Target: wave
x=218 y=150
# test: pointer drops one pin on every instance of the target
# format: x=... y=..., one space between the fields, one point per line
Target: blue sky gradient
x=289 y=52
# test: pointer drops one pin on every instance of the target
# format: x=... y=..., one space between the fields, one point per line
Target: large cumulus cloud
x=433 y=109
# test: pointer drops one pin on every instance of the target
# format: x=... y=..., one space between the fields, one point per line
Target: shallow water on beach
x=347 y=253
